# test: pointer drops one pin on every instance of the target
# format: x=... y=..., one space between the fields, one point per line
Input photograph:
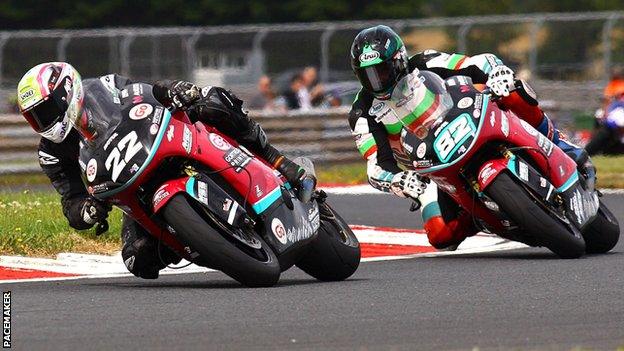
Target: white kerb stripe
x=232 y=213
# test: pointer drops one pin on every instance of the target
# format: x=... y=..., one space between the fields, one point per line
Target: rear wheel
x=521 y=207
x=603 y=233
x=335 y=253
x=251 y=266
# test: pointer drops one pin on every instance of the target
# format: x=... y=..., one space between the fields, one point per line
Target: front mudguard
x=520 y=170
x=207 y=193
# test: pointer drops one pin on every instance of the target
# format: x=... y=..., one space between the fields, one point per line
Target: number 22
x=114 y=159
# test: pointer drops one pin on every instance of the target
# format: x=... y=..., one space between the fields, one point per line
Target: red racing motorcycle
x=513 y=180
x=209 y=199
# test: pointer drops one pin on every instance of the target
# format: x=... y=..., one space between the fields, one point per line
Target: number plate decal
x=453 y=136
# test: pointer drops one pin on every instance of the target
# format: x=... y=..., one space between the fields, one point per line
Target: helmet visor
x=379 y=78
x=49 y=111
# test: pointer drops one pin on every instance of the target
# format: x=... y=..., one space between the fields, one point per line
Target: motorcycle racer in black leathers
x=379 y=61
x=51 y=97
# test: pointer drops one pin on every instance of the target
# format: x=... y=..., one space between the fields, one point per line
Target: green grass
x=32 y=224
x=610 y=172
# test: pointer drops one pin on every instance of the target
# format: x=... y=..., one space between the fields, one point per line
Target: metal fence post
x=606 y=44
x=155 y=56
x=61 y=48
x=191 y=54
x=325 y=38
x=113 y=53
x=462 y=32
x=3 y=40
x=124 y=52
x=257 y=60
x=537 y=25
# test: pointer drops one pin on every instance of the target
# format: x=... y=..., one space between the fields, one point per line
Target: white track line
x=87 y=266
x=365 y=189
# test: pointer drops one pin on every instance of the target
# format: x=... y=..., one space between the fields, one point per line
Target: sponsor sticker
x=140 y=111
x=154 y=129
x=170 y=132
x=91 y=170
x=158 y=112
x=529 y=128
x=487 y=172
x=523 y=171
x=160 y=195
x=110 y=140
x=277 y=227
x=369 y=56
x=421 y=150
x=27 y=94
x=375 y=109
x=47 y=159
x=465 y=102
x=187 y=139
x=218 y=142
x=227 y=204
x=236 y=158
x=423 y=163
x=202 y=193
x=505 y=125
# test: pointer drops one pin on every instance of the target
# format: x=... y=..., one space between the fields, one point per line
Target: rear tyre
x=514 y=200
x=603 y=233
x=335 y=253
x=251 y=267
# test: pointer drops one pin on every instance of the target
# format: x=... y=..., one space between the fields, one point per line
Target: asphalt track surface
x=523 y=299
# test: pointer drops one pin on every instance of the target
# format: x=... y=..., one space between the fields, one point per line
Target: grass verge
x=32 y=224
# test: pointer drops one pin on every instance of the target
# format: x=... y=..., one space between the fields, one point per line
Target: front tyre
x=251 y=267
x=514 y=200
x=603 y=233
x=335 y=253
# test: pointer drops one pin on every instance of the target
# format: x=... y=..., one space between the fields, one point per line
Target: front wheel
x=335 y=253
x=603 y=233
x=253 y=267
x=548 y=231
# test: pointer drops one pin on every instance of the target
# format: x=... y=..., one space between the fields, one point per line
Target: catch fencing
x=549 y=48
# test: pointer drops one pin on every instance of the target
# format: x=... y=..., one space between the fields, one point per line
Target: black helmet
x=379 y=60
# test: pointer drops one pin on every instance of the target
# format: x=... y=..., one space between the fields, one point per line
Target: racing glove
x=183 y=94
x=94 y=211
x=408 y=184
x=501 y=80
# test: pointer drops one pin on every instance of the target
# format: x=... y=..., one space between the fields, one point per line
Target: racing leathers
x=445 y=223
x=141 y=253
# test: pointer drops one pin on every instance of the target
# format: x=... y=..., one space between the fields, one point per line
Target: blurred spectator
x=313 y=87
x=265 y=98
x=296 y=96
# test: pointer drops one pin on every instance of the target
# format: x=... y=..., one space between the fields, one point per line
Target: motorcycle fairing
x=450 y=141
x=122 y=152
x=286 y=229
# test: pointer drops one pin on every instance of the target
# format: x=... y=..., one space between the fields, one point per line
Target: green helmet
x=379 y=60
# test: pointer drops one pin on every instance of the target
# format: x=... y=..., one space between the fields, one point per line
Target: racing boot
x=296 y=175
x=140 y=252
x=578 y=154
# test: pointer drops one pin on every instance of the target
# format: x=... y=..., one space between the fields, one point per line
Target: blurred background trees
x=33 y=14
